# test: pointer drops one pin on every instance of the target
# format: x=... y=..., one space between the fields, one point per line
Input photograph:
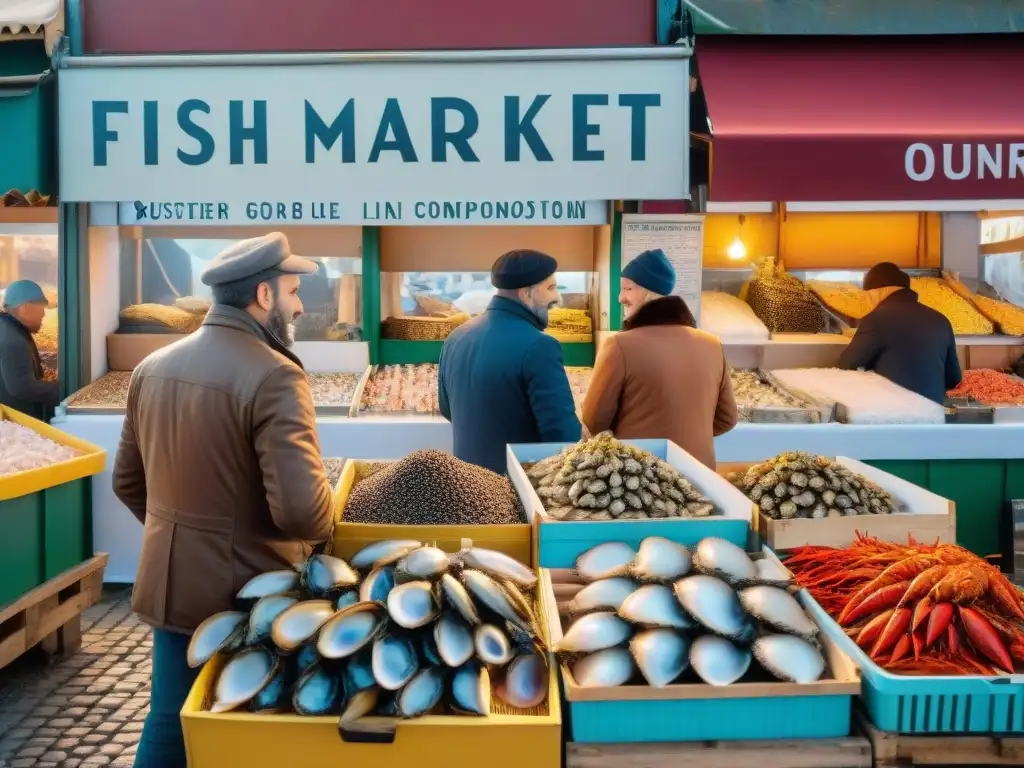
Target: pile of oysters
x=604 y=479
x=402 y=630
x=663 y=611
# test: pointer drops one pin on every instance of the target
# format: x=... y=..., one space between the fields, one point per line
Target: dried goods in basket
x=173 y=319
x=966 y=320
x=403 y=630
x=783 y=303
x=1009 y=317
x=421 y=328
x=918 y=609
x=605 y=479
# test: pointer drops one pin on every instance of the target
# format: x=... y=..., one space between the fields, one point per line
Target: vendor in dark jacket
x=906 y=342
x=21 y=372
x=501 y=378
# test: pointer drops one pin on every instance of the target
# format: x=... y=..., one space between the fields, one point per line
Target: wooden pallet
x=896 y=749
x=50 y=616
x=847 y=752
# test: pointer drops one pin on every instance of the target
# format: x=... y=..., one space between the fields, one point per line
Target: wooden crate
x=895 y=749
x=51 y=614
x=845 y=752
x=928 y=516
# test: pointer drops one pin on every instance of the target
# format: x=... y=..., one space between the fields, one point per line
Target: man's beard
x=278 y=325
x=542 y=312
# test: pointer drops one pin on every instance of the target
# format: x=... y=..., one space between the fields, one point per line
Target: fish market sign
x=440 y=141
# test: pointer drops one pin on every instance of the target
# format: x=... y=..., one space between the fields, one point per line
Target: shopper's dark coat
x=908 y=343
x=502 y=380
x=21 y=372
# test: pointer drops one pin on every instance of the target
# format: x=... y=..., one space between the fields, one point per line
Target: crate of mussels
x=430 y=496
x=804 y=498
x=665 y=642
x=603 y=489
x=399 y=655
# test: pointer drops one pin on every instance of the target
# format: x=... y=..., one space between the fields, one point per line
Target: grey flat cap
x=257 y=254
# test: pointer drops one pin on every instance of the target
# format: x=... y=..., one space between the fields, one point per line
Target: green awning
x=855 y=17
x=28 y=117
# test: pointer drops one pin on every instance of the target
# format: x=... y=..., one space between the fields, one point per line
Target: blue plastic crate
x=559 y=543
x=698 y=712
x=935 y=704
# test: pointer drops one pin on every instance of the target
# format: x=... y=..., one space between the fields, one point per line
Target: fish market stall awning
x=853 y=119
x=28 y=19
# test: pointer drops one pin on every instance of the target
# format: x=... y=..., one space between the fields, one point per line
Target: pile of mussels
x=399 y=631
x=664 y=609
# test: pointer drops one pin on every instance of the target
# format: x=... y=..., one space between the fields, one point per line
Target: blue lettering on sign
x=190 y=128
x=392 y=122
x=454 y=123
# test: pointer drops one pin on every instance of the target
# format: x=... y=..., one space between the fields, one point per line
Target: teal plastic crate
x=762 y=709
x=936 y=704
x=559 y=543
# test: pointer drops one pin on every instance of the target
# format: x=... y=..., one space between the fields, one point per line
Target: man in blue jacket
x=501 y=378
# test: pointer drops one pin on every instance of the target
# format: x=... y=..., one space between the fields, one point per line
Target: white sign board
x=382 y=141
x=681 y=237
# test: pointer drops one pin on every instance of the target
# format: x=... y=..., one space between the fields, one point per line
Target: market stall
x=436 y=186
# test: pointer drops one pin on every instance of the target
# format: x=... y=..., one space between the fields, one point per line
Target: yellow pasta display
x=1009 y=317
x=965 y=319
x=845 y=298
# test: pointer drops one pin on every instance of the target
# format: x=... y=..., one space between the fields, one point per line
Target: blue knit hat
x=652 y=270
x=23 y=292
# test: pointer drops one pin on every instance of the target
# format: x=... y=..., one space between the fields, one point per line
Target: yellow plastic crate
x=91 y=462
x=436 y=741
x=514 y=540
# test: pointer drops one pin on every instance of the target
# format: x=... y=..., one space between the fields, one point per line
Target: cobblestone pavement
x=86 y=710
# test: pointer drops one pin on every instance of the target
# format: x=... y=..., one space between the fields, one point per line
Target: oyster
x=604 y=561
x=724 y=560
x=605 y=594
x=778 y=609
x=297 y=624
x=604 y=669
x=273 y=697
x=499 y=565
x=713 y=603
x=526 y=681
x=350 y=629
x=423 y=563
x=789 y=658
x=359 y=704
x=269 y=583
x=471 y=689
x=455 y=594
x=717 y=661
x=245 y=675
x=594 y=632
x=377 y=585
x=394 y=662
x=382 y=553
x=306 y=657
x=358 y=674
x=219 y=632
x=662 y=655
x=495 y=597
x=422 y=693
x=325 y=575
x=262 y=615
x=654 y=605
x=345 y=599
x=454 y=640
x=315 y=692
x=411 y=605
x=491 y=645
x=660 y=560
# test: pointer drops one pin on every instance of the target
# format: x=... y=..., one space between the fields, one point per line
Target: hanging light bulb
x=737 y=251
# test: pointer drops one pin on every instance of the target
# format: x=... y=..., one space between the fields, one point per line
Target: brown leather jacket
x=660 y=378
x=219 y=459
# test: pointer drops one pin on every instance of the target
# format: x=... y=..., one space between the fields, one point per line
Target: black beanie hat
x=886 y=275
x=521 y=269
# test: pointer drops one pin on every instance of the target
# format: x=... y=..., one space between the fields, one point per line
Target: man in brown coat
x=219 y=459
x=660 y=377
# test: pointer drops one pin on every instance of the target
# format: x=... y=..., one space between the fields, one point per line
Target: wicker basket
x=420 y=328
